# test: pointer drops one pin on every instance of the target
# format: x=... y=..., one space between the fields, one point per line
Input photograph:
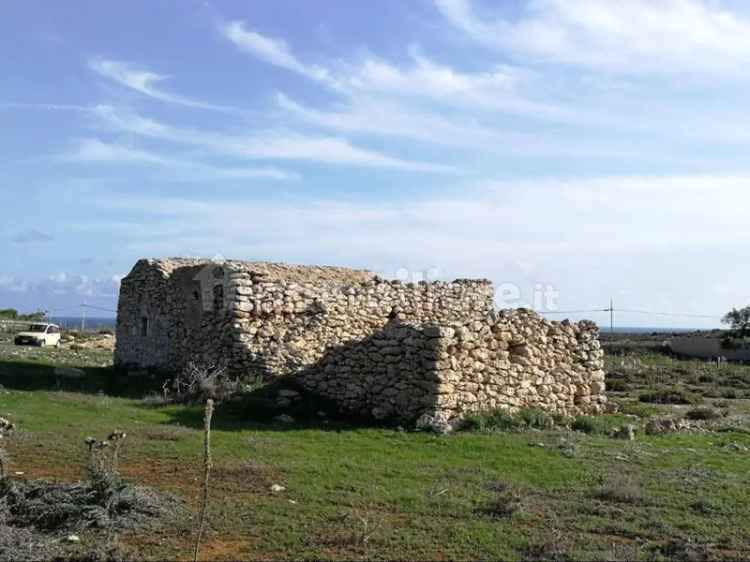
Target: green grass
x=353 y=491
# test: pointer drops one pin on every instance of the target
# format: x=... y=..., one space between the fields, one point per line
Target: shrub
x=620 y=490
x=198 y=383
x=585 y=424
x=502 y=420
x=670 y=395
x=703 y=413
x=617 y=385
x=640 y=409
x=537 y=419
x=499 y=420
x=707 y=506
x=505 y=504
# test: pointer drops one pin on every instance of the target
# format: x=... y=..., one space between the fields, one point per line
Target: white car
x=40 y=334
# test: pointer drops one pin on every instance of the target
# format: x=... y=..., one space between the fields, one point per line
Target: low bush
x=670 y=395
x=703 y=413
x=506 y=502
x=585 y=424
x=617 y=385
x=197 y=383
x=502 y=420
x=538 y=419
x=499 y=420
x=620 y=490
x=640 y=409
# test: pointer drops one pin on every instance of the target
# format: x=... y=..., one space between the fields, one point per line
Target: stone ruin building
x=376 y=347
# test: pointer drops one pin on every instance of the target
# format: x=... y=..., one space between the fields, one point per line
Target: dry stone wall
x=377 y=347
x=441 y=372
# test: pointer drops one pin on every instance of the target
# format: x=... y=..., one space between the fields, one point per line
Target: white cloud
x=44 y=291
x=267 y=145
x=421 y=79
x=653 y=236
x=555 y=223
x=144 y=82
x=428 y=78
x=94 y=150
x=390 y=118
x=268 y=49
x=637 y=36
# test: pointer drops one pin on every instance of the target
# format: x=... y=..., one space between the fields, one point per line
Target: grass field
x=368 y=492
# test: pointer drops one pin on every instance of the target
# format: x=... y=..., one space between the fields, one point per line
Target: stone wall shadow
x=391 y=372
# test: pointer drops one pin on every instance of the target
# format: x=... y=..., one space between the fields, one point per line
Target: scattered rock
x=438 y=423
x=6 y=426
x=626 y=432
x=660 y=425
x=276 y=488
x=284 y=418
x=73 y=538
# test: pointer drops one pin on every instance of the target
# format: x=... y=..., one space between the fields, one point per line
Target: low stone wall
x=281 y=327
x=509 y=360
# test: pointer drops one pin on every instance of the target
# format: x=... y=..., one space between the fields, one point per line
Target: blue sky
x=576 y=148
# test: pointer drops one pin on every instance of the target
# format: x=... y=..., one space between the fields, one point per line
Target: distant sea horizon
x=90 y=322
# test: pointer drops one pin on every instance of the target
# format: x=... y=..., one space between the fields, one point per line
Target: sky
x=572 y=151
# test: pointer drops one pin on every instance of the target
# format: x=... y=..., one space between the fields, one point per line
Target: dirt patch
x=173 y=474
x=246 y=478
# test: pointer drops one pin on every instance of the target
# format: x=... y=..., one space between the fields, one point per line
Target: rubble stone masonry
x=380 y=348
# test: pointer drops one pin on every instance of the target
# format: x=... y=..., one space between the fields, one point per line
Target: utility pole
x=83 y=317
x=611 y=315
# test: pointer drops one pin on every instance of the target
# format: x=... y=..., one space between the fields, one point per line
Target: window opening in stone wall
x=144 y=326
x=218 y=297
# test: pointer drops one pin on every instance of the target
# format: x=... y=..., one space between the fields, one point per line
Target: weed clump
x=619 y=490
x=38 y=512
x=670 y=395
x=502 y=420
x=589 y=424
x=506 y=502
x=198 y=383
x=703 y=414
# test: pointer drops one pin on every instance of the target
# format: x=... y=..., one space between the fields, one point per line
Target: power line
x=681 y=314
x=574 y=311
x=97 y=308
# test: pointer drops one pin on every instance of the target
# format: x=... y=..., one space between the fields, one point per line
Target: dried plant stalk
x=207 y=463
